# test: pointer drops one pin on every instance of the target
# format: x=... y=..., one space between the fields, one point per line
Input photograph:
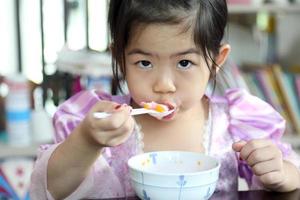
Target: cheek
x=192 y=92
x=138 y=90
x=194 y=84
x=190 y=96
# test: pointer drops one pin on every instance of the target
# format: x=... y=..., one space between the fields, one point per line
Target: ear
x=222 y=56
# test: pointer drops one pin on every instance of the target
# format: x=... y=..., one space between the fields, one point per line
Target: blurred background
x=52 y=49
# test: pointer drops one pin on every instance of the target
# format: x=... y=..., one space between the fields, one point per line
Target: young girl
x=166 y=51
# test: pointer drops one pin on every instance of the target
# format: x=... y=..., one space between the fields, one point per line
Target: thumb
x=237 y=146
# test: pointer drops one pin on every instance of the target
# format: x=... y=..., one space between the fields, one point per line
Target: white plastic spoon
x=137 y=111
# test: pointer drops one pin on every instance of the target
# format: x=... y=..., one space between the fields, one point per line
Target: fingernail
x=117 y=107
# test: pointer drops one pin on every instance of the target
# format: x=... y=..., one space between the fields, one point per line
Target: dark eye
x=184 y=64
x=144 y=64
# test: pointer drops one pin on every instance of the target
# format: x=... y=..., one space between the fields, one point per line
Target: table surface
x=246 y=195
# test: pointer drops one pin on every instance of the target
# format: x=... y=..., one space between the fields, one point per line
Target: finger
x=120 y=135
x=105 y=106
x=263 y=154
x=265 y=167
x=119 y=140
x=127 y=126
x=114 y=121
x=271 y=178
x=252 y=146
x=237 y=146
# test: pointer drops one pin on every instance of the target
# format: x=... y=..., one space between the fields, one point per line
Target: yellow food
x=147 y=106
x=154 y=106
x=160 y=108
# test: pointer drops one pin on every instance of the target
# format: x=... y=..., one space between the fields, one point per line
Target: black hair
x=208 y=18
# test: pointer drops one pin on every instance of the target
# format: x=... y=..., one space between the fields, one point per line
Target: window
x=32 y=32
x=98 y=36
x=8 y=43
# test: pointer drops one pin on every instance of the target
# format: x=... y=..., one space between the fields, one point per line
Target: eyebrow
x=188 y=51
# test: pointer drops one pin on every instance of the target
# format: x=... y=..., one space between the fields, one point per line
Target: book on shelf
x=270 y=83
x=297 y=85
x=277 y=87
x=295 y=70
x=270 y=90
x=263 y=81
x=253 y=85
x=228 y=77
x=289 y=95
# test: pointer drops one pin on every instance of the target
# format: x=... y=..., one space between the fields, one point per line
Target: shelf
x=252 y=9
x=7 y=151
x=84 y=62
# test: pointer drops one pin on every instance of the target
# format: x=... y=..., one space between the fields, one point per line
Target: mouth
x=170 y=107
x=169 y=116
x=161 y=106
x=152 y=104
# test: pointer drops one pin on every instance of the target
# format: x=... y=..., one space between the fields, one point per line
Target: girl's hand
x=266 y=161
x=111 y=131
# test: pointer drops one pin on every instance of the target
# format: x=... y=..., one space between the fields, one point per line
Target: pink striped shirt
x=236 y=116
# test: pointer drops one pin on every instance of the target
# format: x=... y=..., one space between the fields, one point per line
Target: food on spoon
x=155 y=106
x=161 y=109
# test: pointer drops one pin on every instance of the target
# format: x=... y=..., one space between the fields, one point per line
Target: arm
x=65 y=172
x=259 y=129
x=267 y=163
x=73 y=159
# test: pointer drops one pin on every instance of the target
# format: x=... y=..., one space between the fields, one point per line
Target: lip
x=168 y=104
x=171 y=106
x=165 y=103
x=170 y=116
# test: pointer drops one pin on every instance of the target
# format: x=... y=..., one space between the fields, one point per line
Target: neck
x=182 y=133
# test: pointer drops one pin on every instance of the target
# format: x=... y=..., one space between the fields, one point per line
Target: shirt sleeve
x=73 y=111
x=252 y=118
x=67 y=117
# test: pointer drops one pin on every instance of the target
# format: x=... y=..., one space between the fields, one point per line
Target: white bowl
x=173 y=175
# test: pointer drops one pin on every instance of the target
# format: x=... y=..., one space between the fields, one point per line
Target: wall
x=246 y=47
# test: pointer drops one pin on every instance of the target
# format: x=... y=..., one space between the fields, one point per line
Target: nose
x=164 y=83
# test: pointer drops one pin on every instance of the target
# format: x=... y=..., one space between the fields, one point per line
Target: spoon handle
x=136 y=111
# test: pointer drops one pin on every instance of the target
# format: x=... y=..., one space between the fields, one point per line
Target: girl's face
x=164 y=65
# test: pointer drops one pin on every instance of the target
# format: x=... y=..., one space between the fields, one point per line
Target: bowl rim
x=130 y=165
x=174 y=187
